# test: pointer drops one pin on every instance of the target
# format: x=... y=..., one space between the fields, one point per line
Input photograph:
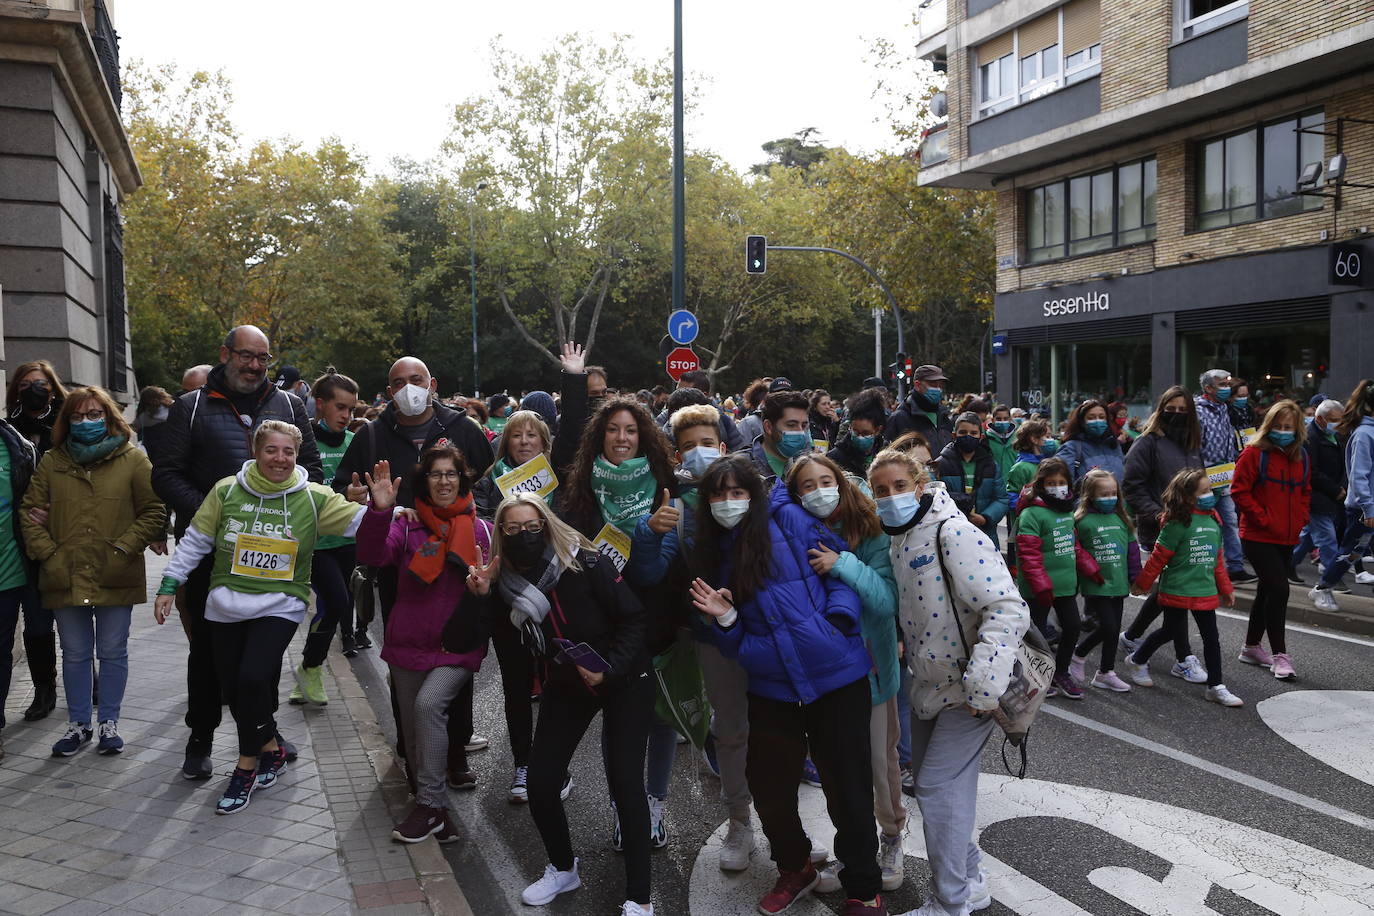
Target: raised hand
x=481 y=577
x=573 y=359
x=356 y=491
x=822 y=559
x=162 y=608
x=708 y=600
x=666 y=517
x=382 y=486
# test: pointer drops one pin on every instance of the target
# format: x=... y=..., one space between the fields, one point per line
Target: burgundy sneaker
x=790 y=887
x=1063 y=686
x=859 y=908
x=420 y=823
x=448 y=833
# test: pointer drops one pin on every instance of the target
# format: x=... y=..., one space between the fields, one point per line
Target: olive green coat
x=101 y=517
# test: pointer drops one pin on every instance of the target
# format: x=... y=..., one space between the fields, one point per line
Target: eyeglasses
x=248 y=356
x=533 y=526
x=442 y=475
x=89 y=415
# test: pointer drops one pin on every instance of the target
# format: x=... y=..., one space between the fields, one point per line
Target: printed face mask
x=821 y=502
x=412 y=400
x=1058 y=491
x=897 y=510
x=729 y=512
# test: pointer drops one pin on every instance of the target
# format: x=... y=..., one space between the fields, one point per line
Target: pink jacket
x=418 y=617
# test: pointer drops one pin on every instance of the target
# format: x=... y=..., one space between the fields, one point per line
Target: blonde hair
x=920 y=474
x=693 y=415
x=115 y=424
x=566 y=540
x=1092 y=482
x=519 y=420
x=281 y=427
x=1271 y=416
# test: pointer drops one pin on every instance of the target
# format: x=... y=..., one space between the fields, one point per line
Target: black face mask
x=526 y=547
x=34 y=397
x=968 y=444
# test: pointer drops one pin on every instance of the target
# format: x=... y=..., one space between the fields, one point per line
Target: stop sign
x=681 y=360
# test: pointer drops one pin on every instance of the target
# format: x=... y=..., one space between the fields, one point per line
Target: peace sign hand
x=708 y=600
x=573 y=358
x=383 y=488
x=480 y=577
x=665 y=519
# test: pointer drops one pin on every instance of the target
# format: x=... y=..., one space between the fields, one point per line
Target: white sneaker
x=564 y=792
x=477 y=743
x=1323 y=599
x=658 y=828
x=1219 y=694
x=979 y=892
x=554 y=882
x=737 y=846
x=1130 y=645
x=829 y=879
x=1364 y=578
x=1190 y=670
x=933 y=907
x=1139 y=671
x=891 y=859
x=819 y=854
x=630 y=908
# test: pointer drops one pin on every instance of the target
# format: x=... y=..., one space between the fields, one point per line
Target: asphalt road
x=1154 y=802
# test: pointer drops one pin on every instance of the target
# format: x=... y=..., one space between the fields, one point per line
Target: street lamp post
x=472 y=282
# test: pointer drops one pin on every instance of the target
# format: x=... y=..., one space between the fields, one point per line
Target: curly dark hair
x=753 y=559
x=578 y=498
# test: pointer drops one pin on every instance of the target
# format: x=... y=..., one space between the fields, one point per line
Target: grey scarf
x=528 y=600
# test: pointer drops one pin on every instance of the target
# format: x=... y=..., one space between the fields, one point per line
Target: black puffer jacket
x=1150 y=464
x=852 y=461
x=23 y=459
x=385 y=439
x=912 y=416
x=1328 y=472
x=205 y=441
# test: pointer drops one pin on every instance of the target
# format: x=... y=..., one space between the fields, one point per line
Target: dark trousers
x=1176 y=628
x=836 y=729
x=1149 y=612
x=1269 y=613
x=248 y=656
x=331 y=573
x=203 y=699
x=11 y=599
x=1106 y=609
x=1066 y=609
x=517 y=682
x=625 y=716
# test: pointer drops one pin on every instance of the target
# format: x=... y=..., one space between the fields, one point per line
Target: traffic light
x=755 y=254
x=903 y=367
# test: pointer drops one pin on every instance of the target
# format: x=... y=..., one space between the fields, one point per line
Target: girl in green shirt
x=1105 y=531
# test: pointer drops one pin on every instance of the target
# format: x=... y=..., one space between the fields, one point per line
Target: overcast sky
x=384 y=75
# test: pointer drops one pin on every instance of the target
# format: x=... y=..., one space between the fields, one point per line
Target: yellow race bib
x=259 y=557
x=611 y=542
x=534 y=476
x=1220 y=474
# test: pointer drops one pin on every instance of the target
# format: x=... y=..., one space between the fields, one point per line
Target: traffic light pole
x=891 y=299
x=679 y=209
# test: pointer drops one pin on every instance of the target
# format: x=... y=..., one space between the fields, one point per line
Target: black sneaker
x=271 y=764
x=235 y=798
x=76 y=737
x=288 y=747
x=110 y=742
x=349 y=647
x=1243 y=576
x=197 y=764
x=360 y=639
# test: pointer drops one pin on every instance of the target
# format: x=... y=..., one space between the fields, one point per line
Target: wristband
x=727 y=620
x=169 y=586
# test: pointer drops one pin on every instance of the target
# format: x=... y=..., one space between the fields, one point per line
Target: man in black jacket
x=1326 y=455
x=208 y=436
x=922 y=411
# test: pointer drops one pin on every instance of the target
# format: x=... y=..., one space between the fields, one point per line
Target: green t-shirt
x=1106 y=537
x=330 y=456
x=778 y=464
x=968 y=478
x=1021 y=473
x=1055 y=531
x=1191 y=572
x=12 y=574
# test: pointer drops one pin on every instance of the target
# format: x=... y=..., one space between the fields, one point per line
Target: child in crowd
x=1105 y=531
x=1192 y=576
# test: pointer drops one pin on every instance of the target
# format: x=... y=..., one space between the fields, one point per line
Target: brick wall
x=959 y=88
x=1135 y=50
x=1279 y=24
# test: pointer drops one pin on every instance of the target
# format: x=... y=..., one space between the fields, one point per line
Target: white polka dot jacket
x=975 y=592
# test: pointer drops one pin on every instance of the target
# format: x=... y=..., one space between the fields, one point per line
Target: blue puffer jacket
x=799 y=637
x=1085 y=453
x=868 y=570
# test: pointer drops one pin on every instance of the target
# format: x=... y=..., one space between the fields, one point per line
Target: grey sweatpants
x=423 y=698
x=945 y=752
x=884 y=733
x=727 y=686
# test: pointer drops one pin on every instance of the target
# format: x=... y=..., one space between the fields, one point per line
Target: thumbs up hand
x=665 y=519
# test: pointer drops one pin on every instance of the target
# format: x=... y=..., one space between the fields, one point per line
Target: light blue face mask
x=898 y=509
x=1224 y=394
x=1207 y=501
x=88 y=432
x=1049 y=447
x=1281 y=438
x=698 y=459
x=1096 y=428
x=863 y=443
x=794 y=442
x=1105 y=504
x=1241 y=402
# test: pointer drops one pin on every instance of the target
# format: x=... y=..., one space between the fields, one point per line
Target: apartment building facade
x=1180 y=184
x=65 y=167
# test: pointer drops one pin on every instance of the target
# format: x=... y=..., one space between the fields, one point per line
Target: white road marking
x=1274 y=872
x=1334 y=726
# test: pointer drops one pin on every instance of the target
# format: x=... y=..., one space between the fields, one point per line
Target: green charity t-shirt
x=1106 y=537
x=1191 y=572
x=12 y=574
x=1055 y=531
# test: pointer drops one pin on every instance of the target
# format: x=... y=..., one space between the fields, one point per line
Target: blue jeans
x=104 y=633
x=1355 y=534
x=1319 y=532
x=904 y=716
x=1230 y=533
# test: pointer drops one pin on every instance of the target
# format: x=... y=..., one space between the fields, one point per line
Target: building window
x=1045 y=54
x=1254 y=174
x=1088 y=213
x=1083 y=64
x=1198 y=16
x=997 y=84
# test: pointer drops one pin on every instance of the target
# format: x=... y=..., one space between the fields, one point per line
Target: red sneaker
x=859 y=908
x=790 y=887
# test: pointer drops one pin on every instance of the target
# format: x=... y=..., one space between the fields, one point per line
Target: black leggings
x=331 y=573
x=1269 y=613
x=1149 y=612
x=1107 y=610
x=248 y=656
x=1176 y=628
x=1066 y=609
x=625 y=715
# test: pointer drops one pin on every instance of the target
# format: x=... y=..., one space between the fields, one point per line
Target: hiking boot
x=419 y=824
x=738 y=844
x=235 y=798
x=77 y=736
x=553 y=883
x=110 y=742
x=1190 y=670
x=1219 y=694
x=309 y=686
x=1283 y=667
x=790 y=887
x=271 y=764
x=1255 y=655
x=891 y=859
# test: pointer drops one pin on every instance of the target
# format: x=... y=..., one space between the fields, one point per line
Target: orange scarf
x=452 y=538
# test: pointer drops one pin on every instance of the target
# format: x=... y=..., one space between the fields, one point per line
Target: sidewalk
x=1356 y=614
x=92 y=834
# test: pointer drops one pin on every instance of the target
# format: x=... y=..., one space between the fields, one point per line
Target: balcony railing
x=934 y=146
x=932 y=18
x=107 y=50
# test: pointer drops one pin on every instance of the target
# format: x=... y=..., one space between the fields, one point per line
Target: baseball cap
x=780 y=383
x=872 y=382
x=288 y=376
x=929 y=374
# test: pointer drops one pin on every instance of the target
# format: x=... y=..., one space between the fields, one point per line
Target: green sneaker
x=309 y=686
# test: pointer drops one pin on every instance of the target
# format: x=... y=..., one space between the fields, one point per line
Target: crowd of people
x=791 y=552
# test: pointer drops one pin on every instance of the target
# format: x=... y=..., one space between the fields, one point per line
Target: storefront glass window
x=1056 y=378
x=1277 y=361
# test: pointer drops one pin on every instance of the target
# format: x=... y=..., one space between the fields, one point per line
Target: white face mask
x=729 y=512
x=412 y=400
x=821 y=502
x=1058 y=491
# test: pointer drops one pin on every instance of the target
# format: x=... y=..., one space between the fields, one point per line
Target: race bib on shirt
x=614 y=544
x=259 y=557
x=1220 y=475
x=534 y=476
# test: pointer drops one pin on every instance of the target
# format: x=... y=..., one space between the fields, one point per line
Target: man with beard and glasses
x=209 y=436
